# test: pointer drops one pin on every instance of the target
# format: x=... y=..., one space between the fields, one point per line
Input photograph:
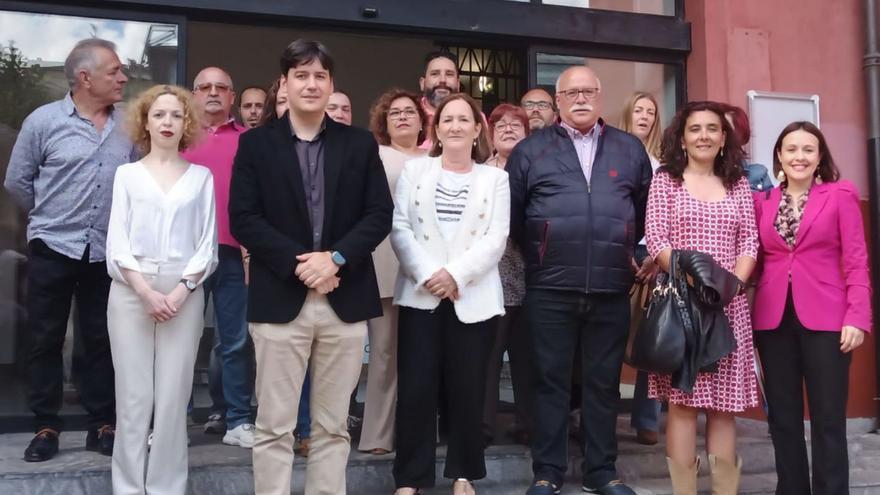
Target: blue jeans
x=230 y=311
x=645 y=411
x=304 y=416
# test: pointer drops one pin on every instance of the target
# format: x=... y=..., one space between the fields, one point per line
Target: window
x=620 y=78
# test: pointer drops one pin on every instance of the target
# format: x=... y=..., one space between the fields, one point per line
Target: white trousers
x=154 y=370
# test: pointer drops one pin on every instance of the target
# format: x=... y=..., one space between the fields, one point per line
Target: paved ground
x=217 y=469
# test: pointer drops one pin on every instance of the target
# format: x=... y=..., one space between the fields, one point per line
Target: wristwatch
x=189 y=284
x=337 y=258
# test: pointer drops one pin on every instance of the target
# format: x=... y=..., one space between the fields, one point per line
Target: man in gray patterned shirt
x=61 y=172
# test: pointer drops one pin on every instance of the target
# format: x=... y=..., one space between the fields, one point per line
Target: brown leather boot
x=725 y=475
x=684 y=478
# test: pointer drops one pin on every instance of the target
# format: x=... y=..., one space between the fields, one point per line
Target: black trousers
x=511 y=336
x=431 y=345
x=792 y=356
x=53 y=279
x=557 y=320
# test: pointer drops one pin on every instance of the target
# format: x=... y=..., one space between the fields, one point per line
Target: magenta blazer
x=828 y=264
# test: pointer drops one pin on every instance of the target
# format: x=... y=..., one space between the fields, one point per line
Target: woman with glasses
x=508 y=125
x=450 y=226
x=398 y=124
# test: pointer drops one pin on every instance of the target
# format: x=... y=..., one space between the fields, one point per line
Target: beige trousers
x=154 y=371
x=284 y=351
x=381 y=401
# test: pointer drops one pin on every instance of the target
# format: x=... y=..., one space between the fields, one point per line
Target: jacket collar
x=815 y=204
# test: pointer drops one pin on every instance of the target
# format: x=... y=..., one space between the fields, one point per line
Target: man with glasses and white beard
x=579 y=190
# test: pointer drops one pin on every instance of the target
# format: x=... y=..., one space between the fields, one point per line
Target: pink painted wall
x=793 y=46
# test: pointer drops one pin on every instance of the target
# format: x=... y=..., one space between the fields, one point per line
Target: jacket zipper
x=543 y=249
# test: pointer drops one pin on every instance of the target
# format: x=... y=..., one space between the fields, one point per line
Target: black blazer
x=268 y=215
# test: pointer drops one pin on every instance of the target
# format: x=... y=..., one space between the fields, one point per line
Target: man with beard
x=538 y=105
x=578 y=191
x=213 y=91
x=440 y=80
x=250 y=107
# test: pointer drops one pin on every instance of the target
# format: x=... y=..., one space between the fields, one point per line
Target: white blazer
x=471 y=258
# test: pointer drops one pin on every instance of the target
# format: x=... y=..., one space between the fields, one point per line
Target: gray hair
x=598 y=81
x=84 y=57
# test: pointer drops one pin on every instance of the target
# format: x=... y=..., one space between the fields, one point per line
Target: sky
x=30 y=32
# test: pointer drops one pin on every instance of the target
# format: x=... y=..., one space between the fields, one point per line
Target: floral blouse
x=787 y=219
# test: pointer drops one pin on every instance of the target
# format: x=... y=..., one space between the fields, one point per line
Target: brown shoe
x=647 y=437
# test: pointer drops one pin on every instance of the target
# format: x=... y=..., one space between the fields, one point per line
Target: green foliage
x=20 y=86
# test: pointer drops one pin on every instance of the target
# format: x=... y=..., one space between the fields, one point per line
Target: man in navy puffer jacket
x=578 y=195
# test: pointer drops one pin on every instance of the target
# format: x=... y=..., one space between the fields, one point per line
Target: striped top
x=450 y=199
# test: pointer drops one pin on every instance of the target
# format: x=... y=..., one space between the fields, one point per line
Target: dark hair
x=826 y=170
x=502 y=110
x=379 y=115
x=269 y=104
x=441 y=54
x=302 y=52
x=741 y=126
x=343 y=93
x=728 y=163
x=250 y=88
x=483 y=150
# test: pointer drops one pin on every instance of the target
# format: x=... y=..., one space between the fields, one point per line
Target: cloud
x=29 y=31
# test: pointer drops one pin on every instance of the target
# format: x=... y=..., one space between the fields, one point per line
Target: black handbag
x=660 y=341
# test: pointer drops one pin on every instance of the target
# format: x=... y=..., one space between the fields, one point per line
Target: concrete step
x=217 y=469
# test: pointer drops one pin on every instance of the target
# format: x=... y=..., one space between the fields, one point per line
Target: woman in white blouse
x=451 y=220
x=161 y=246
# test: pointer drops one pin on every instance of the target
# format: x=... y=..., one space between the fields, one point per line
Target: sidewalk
x=217 y=469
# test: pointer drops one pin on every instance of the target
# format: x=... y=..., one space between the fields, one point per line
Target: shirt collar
x=229 y=124
x=317 y=137
x=576 y=134
x=69 y=106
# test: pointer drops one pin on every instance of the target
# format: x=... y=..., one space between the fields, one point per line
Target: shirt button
x=95 y=207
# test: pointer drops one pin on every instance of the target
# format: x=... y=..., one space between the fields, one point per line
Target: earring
x=475 y=143
x=440 y=144
x=780 y=176
x=818 y=179
x=722 y=152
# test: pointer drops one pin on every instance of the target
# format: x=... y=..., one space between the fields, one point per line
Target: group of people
x=447 y=236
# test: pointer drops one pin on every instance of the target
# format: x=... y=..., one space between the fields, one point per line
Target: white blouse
x=149 y=225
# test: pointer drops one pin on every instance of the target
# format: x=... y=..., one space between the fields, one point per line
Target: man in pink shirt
x=214 y=92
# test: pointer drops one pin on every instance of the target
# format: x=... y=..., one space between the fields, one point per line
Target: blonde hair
x=652 y=143
x=140 y=107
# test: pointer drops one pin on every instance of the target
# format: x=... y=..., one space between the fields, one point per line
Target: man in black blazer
x=578 y=192
x=310 y=201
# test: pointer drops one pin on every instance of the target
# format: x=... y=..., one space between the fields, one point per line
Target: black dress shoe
x=613 y=487
x=101 y=440
x=43 y=446
x=543 y=487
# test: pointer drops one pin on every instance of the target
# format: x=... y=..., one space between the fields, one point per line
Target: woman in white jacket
x=451 y=220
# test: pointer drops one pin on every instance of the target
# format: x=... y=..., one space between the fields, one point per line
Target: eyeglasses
x=399 y=114
x=513 y=126
x=572 y=94
x=219 y=87
x=540 y=105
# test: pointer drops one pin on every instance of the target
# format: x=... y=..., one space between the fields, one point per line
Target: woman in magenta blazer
x=812 y=307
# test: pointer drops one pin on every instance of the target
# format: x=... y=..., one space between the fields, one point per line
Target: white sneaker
x=241 y=436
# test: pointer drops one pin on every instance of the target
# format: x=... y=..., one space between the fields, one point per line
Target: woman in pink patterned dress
x=700 y=200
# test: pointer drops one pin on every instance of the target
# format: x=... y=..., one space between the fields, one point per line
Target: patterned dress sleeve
x=658 y=217
x=747 y=237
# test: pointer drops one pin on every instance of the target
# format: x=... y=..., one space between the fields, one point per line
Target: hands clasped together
x=162 y=307
x=318 y=271
x=442 y=285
